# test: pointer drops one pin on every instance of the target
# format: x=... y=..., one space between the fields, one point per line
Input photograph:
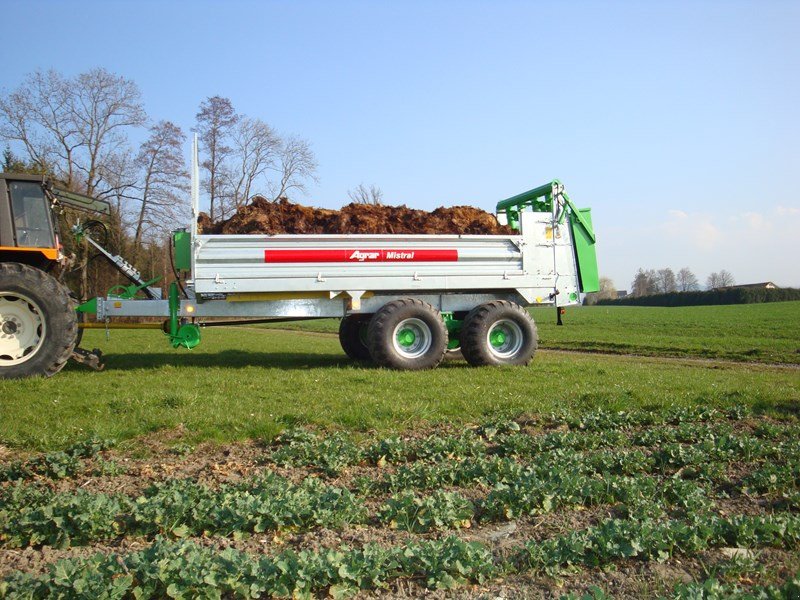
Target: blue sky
x=677 y=122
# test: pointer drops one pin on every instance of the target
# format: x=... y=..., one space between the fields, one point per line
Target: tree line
x=78 y=130
x=648 y=282
x=651 y=282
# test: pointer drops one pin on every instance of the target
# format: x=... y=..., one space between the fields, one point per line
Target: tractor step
x=90 y=359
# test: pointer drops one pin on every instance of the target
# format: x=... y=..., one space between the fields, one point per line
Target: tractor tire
x=353 y=336
x=407 y=334
x=38 y=325
x=498 y=333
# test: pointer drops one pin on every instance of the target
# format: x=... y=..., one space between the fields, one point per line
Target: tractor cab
x=28 y=225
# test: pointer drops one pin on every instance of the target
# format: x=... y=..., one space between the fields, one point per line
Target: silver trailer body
x=538 y=264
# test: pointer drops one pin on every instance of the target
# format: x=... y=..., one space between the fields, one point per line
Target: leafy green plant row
x=658 y=540
x=187 y=570
x=56 y=465
x=712 y=589
x=707 y=461
x=639 y=497
x=32 y=516
x=331 y=454
x=606 y=420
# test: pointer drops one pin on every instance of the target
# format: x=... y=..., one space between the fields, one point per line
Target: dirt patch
x=283 y=216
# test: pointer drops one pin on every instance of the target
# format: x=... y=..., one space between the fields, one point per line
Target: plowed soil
x=283 y=216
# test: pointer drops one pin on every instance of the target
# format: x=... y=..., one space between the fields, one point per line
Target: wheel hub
x=498 y=338
x=406 y=337
x=22 y=331
x=505 y=338
x=412 y=338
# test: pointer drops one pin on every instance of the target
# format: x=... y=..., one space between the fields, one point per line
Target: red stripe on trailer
x=360 y=255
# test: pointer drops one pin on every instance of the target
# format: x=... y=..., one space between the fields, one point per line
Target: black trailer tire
x=498 y=333
x=353 y=336
x=38 y=325
x=407 y=334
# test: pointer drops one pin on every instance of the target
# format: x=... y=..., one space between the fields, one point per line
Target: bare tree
x=103 y=106
x=686 y=280
x=644 y=283
x=665 y=281
x=726 y=278
x=256 y=149
x=72 y=127
x=296 y=165
x=721 y=279
x=38 y=116
x=366 y=195
x=164 y=180
x=215 y=121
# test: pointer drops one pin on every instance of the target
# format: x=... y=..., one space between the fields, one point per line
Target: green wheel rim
x=505 y=338
x=412 y=338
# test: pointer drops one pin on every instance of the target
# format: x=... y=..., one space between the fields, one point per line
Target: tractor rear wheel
x=407 y=334
x=38 y=326
x=498 y=333
x=353 y=336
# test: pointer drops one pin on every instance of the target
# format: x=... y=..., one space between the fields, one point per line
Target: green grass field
x=752 y=333
x=253 y=382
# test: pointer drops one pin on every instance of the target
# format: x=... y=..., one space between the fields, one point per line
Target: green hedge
x=729 y=296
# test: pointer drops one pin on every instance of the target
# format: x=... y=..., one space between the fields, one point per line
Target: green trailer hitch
x=180 y=333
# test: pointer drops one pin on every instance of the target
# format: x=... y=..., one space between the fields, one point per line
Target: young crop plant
x=441 y=510
x=491 y=429
x=56 y=465
x=449 y=447
x=775 y=478
x=713 y=589
x=392 y=450
x=301 y=448
x=34 y=516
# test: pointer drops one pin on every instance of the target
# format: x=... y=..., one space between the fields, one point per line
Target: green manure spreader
x=403 y=300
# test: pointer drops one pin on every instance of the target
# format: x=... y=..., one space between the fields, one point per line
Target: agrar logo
x=362 y=256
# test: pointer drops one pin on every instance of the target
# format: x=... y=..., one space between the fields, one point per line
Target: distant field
x=746 y=332
x=752 y=332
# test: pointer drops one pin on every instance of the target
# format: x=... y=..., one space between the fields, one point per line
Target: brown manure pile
x=283 y=216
